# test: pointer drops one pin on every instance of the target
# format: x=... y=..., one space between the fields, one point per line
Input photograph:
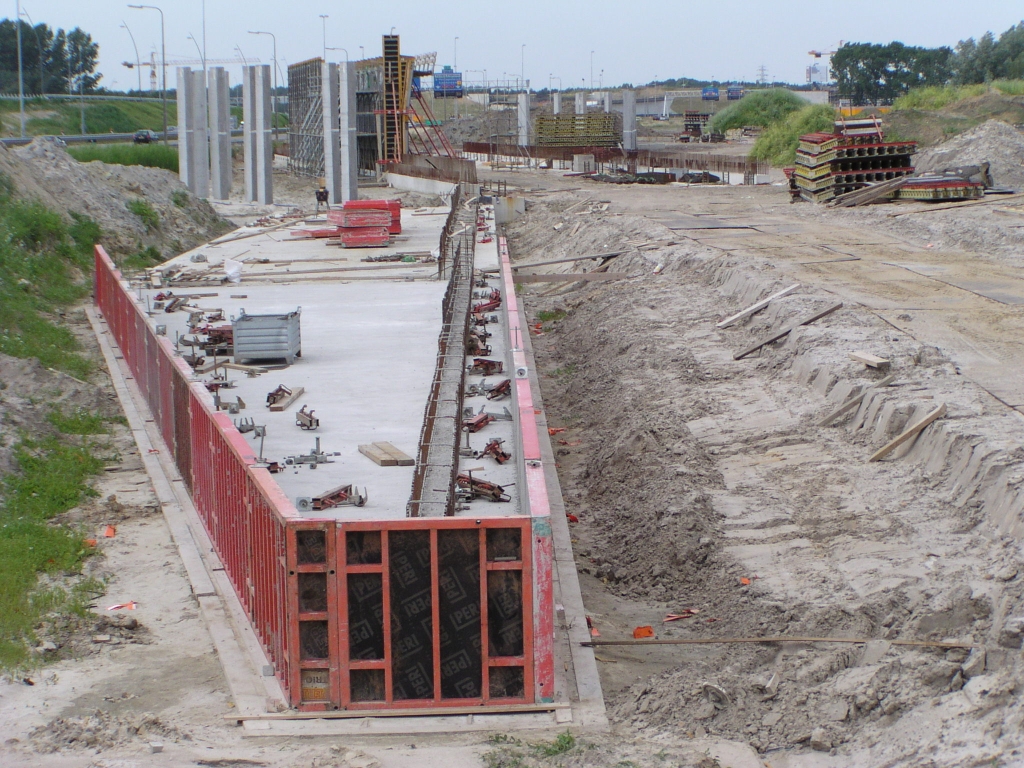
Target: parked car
x=146 y=136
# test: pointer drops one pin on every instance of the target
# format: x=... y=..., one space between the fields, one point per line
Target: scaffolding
x=306 y=118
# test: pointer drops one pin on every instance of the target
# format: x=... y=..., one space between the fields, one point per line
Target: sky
x=566 y=43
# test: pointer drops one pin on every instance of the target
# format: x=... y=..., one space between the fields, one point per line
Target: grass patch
x=551 y=316
x=140 y=260
x=779 y=142
x=563 y=742
x=938 y=96
x=78 y=422
x=762 y=108
x=180 y=198
x=42 y=263
x=148 y=155
x=51 y=479
x=64 y=117
x=144 y=211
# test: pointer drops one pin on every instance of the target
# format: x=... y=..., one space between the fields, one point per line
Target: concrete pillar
x=332 y=128
x=220 y=133
x=629 y=120
x=264 y=155
x=607 y=101
x=185 y=124
x=348 y=132
x=581 y=103
x=249 y=131
x=199 y=153
x=556 y=105
x=524 y=119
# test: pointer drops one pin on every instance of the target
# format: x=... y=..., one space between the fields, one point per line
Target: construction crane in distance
x=154 y=65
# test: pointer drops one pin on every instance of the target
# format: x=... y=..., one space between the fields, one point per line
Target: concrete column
x=607 y=101
x=348 y=132
x=263 y=128
x=524 y=119
x=249 y=131
x=556 y=106
x=581 y=103
x=629 y=120
x=199 y=153
x=332 y=128
x=220 y=133
x=185 y=125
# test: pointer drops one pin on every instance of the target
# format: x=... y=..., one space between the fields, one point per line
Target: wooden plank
x=755 y=308
x=569 y=277
x=853 y=402
x=873 y=361
x=868 y=194
x=283 y=404
x=408 y=711
x=608 y=255
x=401 y=458
x=377 y=456
x=732 y=640
x=776 y=335
x=908 y=433
x=968 y=204
x=243 y=368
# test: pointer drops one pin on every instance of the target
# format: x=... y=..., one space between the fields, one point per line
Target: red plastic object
x=359 y=218
x=365 y=237
x=394 y=207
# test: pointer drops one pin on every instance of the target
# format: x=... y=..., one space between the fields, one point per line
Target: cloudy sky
x=632 y=42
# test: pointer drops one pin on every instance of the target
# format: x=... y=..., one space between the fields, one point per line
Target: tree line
x=52 y=61
x=877 y=74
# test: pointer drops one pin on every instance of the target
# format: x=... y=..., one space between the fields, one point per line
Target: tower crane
x=154 y=65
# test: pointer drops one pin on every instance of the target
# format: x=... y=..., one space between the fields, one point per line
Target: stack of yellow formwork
x=596 y=129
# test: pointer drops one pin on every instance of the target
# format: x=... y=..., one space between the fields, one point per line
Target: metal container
x=267 y=337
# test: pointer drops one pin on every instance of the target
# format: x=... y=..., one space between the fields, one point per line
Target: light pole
x=591 y=70
x=138 y=61
x=21 y=77
x=338 y=49
x=323 y=18
x=362 y=53
x=163 y=62
x=455 y=55
x=200 y=50
x=273 y=101
x=39 y=49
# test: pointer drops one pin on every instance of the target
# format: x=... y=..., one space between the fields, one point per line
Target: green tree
x=874 y=73
x=52 y=62
x=990 y=59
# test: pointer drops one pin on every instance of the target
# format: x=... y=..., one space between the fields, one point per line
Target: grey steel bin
x=267 y=337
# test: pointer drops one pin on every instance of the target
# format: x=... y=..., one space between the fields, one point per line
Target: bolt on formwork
x=306 y=118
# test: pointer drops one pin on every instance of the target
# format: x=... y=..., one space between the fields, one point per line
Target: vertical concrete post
x=199 y=160
x=331 y=98
x=348 y=133
x=185 y=125
x=629 y=120
x=220 y=134
x=264 y=154
x=556 y=106
x=607 y=101
x=524 y=119
x=249 y=131
x=581 y=103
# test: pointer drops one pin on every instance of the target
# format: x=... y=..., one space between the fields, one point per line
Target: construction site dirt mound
x=995 y=142
x=103 y=192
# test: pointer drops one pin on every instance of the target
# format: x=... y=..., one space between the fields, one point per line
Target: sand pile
x=994 y=142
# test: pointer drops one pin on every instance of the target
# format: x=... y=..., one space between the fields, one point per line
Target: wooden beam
x=401 y=458
x=868 y=194
x=872 y=361
x=609 y=255
x=853 y=402
x=776 y=335
x=755 y=308
x=377 y=456
x=405 y=712
x=733 y=640
x=969 y=203
x=908 y=433
x=562 y=277
x=283 y=404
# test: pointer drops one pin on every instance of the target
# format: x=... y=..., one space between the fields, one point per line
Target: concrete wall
x=249 y=131
x=444 y=189
x=331 y=98
x=220 y=134
x=263 y=157
x=629 y=120
x=523 y=118
x=199 y=152
x=556 y=106
x=349 y=133
x=185 y=124
x=581 y=103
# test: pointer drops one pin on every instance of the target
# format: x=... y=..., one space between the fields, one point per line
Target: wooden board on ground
x=873 y=361
x=569 y=277
x=283 y=404
x=386 y=455
x=608 y=255
x=755 y=308
x=908 y=433
x=855 y=401
x=776 y=335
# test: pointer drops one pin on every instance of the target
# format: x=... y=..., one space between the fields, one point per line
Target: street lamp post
x=522 y=64
x=323 y=18
x=337 y=49
x=200 y=50
x=591 y=70
x=138 y=61
x=455 y=55
x=21 y=77
x=273 y=100
x=163 y=62
x=39 y=49
x=362 y=52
